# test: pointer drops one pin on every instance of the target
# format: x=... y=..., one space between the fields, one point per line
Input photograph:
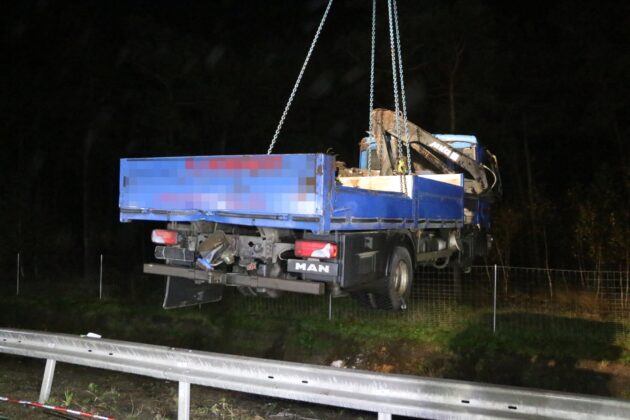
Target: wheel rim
x=401 y=277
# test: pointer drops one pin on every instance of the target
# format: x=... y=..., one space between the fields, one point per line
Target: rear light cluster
x=315 y=249
x=164 y=237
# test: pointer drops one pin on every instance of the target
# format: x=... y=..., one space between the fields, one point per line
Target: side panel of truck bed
x=289 y=191
x=262 y=185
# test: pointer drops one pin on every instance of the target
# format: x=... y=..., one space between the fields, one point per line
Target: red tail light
x=163 y=236
x=315 y=249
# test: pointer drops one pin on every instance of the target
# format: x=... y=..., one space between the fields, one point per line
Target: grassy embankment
x=560 y=352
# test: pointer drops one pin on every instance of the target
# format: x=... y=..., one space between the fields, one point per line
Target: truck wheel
x=398 y=282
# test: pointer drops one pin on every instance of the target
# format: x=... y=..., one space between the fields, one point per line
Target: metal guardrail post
x=384 y=416
x=49 y=374
x=183 y=401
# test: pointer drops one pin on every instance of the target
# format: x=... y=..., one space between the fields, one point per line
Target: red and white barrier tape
x=54 y=408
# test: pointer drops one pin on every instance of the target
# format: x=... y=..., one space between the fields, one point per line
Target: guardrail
x=385 y=394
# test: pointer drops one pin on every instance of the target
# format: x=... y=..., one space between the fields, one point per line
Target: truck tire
x=397 y=283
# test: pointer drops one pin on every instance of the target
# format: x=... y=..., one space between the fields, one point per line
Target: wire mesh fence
x=564 y=301
x=499 y=297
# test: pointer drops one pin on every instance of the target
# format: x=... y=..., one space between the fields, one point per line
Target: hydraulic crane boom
x=426 y=147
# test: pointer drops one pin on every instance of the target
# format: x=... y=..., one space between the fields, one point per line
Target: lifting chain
x=371 y=138
x=299 y=79
x=402 y=87
x=401 y=168
x=394 y=76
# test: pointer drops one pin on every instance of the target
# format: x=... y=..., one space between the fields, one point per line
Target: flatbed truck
x=304 y=223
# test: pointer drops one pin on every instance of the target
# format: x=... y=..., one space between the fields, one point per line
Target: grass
x=442 y=327
x=529 y=349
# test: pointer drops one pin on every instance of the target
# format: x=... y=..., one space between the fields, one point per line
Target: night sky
x=544 y=85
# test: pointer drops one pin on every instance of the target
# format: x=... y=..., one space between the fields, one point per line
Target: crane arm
x=424 y=144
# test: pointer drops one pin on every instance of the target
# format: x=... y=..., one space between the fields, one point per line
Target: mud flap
x=181 y=292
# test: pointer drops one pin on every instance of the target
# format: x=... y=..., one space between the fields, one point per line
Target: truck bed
x=295 y=191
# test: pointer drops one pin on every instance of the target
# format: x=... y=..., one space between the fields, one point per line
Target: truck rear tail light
x=164 y=237
x=315 y=249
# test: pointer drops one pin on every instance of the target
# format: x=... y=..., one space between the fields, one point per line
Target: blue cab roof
x=458 y=141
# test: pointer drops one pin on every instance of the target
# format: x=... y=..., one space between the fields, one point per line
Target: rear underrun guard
x=207 y=286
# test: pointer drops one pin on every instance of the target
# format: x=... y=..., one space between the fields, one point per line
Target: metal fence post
x=100 y=280
x=49 y=373
x=330 y=306
x=17 y=276
x=183 y=401
x=494 y=302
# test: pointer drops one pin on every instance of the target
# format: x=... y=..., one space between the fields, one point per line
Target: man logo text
x=313 y=268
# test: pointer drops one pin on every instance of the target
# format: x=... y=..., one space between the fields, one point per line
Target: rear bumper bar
x=237 y=279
